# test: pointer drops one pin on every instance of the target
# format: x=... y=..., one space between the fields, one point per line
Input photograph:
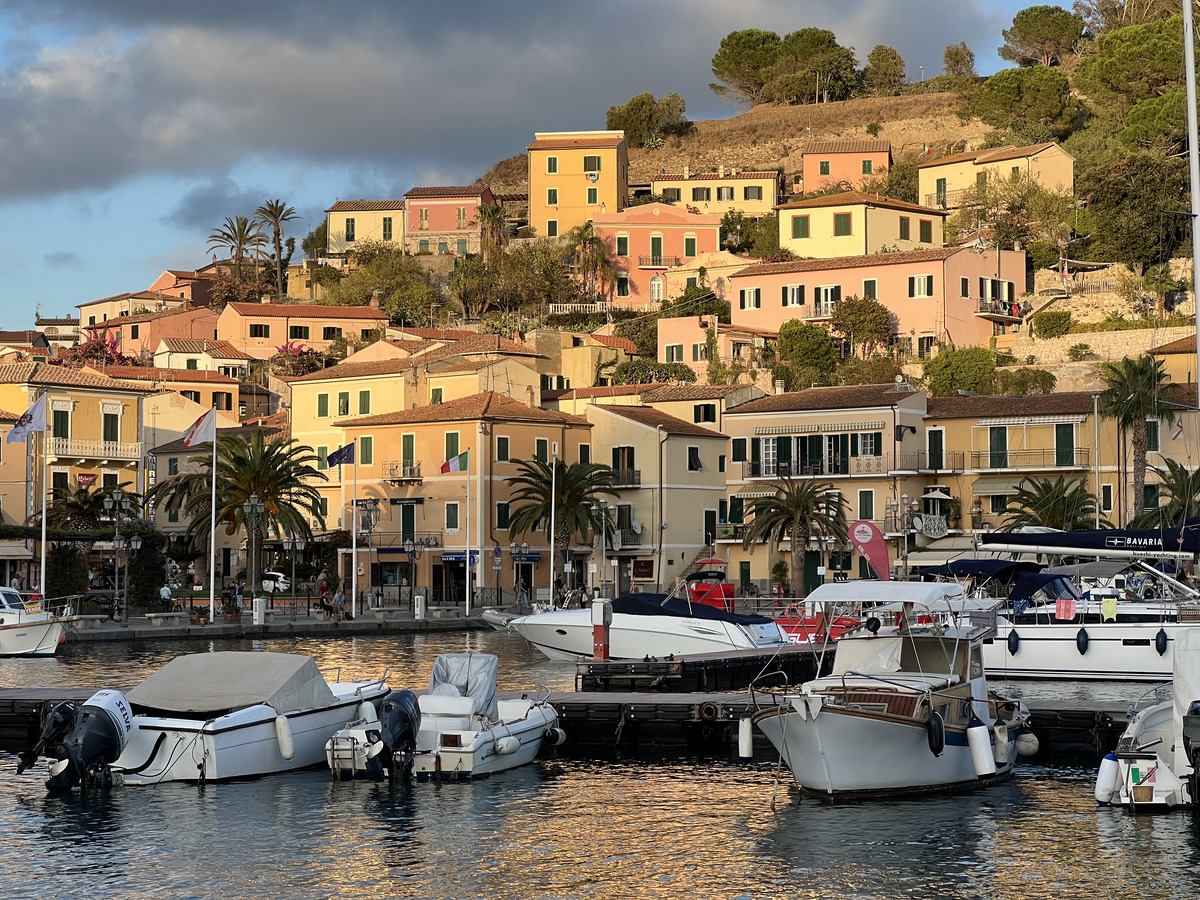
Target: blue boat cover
x=660 y=605
x=1032 y=582
x=981 y=568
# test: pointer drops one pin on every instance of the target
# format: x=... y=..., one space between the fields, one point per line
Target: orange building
x=575 y=176
x=849 y=163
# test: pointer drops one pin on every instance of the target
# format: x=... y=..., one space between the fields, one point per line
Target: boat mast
x=1189 y=60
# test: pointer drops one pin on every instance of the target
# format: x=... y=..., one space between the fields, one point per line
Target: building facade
x=575 y=176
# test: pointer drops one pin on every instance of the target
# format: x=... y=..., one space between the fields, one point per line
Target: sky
x=129 y=129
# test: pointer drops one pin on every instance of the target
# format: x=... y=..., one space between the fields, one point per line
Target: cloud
x=62 y=259
x=206 y=205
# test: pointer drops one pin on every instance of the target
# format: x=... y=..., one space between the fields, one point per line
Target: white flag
x=33 y=420
x=203 y=430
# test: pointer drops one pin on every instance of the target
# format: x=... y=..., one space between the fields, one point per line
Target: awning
x=753 y=491
x=936 y=493
x=15 y=551
x=995 y=487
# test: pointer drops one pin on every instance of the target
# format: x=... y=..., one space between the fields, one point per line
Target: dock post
x=601 y=621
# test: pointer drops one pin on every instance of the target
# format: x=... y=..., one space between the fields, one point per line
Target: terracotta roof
x=6 y=416
x=656 y=214
x=305 y=310
x=1029 y=405
x=1183 y=345
x=60 y=376
x=20 y=337
x=994 y=154
x=466 y=365
x=151 y=316
x=849 y=262
x=356 y=370
x=858 y=198
x=436 y=334
x=476 y=343
x=488 y=405
x=240 y=431
x=581 y=142
x=713 y=176
x=610 y=390
x=57 y=320
x=461 y=190
x=617 y=343
x=965 y=156
x=656 y=418
x=218 y=349
x=848 y=147
x=673 y=392
x=366 y=206
x=855 y=397
x=149 y=373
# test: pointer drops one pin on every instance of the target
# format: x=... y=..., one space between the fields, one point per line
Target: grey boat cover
x=467 y=675
x=206 y=683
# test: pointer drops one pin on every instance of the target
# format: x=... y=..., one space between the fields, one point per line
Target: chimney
x=779 y=387
x=721 y=170
x=686 y=171
x=733 y=172
x=530 y=399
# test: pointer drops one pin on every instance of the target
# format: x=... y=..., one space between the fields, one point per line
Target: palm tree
x=591 y=258
x=1063 y=503
x=1134 y=393
x=274 y=213
x=282 y=473
x=797 y=510
x=239 y=236
x=578 y=488
x=490 y=218
x=1182 y=490
x=81 y=509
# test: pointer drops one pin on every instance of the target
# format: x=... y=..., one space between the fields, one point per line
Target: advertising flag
x=871 y=544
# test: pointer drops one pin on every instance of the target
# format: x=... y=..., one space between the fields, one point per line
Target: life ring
x=935 y=731
x=709 y=711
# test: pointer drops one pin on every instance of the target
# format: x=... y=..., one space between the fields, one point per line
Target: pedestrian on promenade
x=164 y=597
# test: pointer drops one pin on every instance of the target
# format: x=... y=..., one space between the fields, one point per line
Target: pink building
x=644 y=241
x=953 y=295
x=139 y=336
x=844 y=162
x=442 y=220
x=685 y=339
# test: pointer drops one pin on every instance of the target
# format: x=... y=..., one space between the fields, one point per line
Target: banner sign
x=869 y=541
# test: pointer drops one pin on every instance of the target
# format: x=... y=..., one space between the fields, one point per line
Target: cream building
x=857 y=224
x=351 y=221
x=951 y=181
x=725 y=190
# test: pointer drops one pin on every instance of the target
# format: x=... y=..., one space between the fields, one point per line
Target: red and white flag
x=203 y=430
x=34 y=419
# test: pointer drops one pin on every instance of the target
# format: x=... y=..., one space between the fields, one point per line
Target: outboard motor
x=1191 y=746
x=399 y=722
x=83 y=741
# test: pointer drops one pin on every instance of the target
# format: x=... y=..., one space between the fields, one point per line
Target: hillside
x=773 y=137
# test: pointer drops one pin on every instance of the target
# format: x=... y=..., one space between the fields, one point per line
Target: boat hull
x=32 y=635
x=451 y=754
x=1130 y=651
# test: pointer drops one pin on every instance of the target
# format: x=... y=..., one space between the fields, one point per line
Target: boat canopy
x=869 y=656
x=678 y=607
x=981 y=568
x=919 y=593
x=1185 y=671
x=1099 y=568
x=203 y=685
x=467 y=675
x=1055 y=587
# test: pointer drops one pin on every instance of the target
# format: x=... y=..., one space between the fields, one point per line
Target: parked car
x=275 y=582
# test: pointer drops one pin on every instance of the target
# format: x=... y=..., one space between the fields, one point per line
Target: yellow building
x=951 y=181
x=573 y=176
x=751 y=193
x=856 y=224
x=350 y=221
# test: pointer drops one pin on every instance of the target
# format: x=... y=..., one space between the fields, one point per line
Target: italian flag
x=456 y=463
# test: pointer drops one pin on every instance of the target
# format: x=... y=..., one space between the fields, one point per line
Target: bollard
x=745 y=738
x=601 y=622
x=419 y=611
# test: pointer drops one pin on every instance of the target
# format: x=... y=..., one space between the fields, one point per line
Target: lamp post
x=414 y=549
x=116 y=503
x=253 y=509
x=291 y=545
x=523 y=549
x=603 y=547
x=906 y=517
x=370 y=515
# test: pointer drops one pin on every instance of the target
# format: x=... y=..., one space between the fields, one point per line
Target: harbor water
x=568 y=826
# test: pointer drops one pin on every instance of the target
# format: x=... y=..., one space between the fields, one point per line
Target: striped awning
x=750 y=492
x=995 y=487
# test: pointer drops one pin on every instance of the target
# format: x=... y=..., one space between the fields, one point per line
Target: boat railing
x=1153 y=695
x=760 y=682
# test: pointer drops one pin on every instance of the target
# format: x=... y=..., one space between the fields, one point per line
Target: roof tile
x=848 y=262
x=488 y=405
x=858 y=198
x=864 y=146
x=366 y=206
x=1029 y=405
x=656 y=418
x=305 y=310
x=853 y=397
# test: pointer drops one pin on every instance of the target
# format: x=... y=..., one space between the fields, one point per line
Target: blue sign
x=460 y=557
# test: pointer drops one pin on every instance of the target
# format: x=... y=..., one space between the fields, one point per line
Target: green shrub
x=1078 y=352
x=1051 y=323
x=1041 y=255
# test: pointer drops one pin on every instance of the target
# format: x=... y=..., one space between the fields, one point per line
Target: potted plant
x=198 y=615
x=232 y=612
x=954 y=512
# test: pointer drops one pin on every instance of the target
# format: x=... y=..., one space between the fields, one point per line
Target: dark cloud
x=62 y=259
x=206 y=205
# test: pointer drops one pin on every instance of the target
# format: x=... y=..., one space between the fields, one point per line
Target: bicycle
x=113 y=610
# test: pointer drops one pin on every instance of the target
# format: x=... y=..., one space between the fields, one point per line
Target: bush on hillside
x=1051 y=323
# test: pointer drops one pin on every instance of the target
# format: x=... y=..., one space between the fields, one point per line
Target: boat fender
x=935 y=730
x=1014 y=641
x=366 y=712
x=709 y=711
x=555 y=737
x=1108 y=779
x=980 y=741
x=873 y=624
x=1160 y=642
x=1081 y=641
x=507 y=745
x=1026 y=744
x=283 y=734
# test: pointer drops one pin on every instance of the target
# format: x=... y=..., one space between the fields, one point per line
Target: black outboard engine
x=399 y=722
x=83 y=741
x=1191 y=746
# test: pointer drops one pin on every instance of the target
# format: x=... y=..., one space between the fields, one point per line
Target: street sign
x=567 y=566
x=496 y=553
x=497 y=567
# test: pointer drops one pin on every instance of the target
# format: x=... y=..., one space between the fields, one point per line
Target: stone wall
x=1105 y=345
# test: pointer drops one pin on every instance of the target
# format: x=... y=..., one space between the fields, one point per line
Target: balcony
x=658 y=262
x=1029 y=459
x=951 y=199
x=400 y=471
x=732 y=532
x=427 y=539
x=999 y=311
x=855 y=465
x=103 y=451
x=624 y=539
x=924 y=461
x=627 y=478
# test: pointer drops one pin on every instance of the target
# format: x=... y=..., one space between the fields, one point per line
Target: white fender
x=1108 y=779
x=1026 y=744
x=366 y=712
x=555 y=737
x=283 y=734
x=979 y=739
x=507 y=745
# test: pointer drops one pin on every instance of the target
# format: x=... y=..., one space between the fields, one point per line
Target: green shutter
x=783 y=450
x=879 y=443
x=785 y=295
x=854 y=444
x=738 y=450
x=322 y=406
x=912 y=286
x=736 y=510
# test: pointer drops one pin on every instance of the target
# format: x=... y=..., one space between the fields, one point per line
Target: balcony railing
x=924 y=461
x=911 y=461
x=627 y=478
x=950 y=199
x=427 y=539
x=1030 y=459
x=999 y=310
x=402 y=470
x=658 y=262
x=624 y=538
x=95 y=449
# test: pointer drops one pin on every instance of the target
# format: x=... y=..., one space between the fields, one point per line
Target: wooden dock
x=727 y=671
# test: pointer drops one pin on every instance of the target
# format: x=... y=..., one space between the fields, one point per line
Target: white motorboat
x=906 y=709
x=203 y=717
x=29 y=628
x=1156 y=763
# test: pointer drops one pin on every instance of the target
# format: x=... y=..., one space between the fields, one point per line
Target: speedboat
x=29 y=627
x=906 y=709
x=1156 y=765
x=203 y=717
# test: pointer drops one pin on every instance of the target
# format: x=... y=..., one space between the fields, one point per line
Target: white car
x=275 y=582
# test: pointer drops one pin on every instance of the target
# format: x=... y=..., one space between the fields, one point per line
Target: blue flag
x=341 y=456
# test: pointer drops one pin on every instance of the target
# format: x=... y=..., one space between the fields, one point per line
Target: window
x=423 y=219
x=367 y=334
x=435 y=396
x=298 y=332
x=725 y=193
x=799 y=227
x=1106 y=498
x=793 y=295
x=349 y=231
x=867 y=167
x=981 y=179
x=61 y=423
x=551 y=165
x=366 y=450
x=841 y=224
x=593 y=196
x=935 y=441
x=502 y=449
x=194 y=396
x=925 y=346
x=1064 y=444
x=701 y=194
x=585 y=453
x=699 y=352
x=870 y=289
x=364 y=403
x=623 y=246
x=704 y=412
x=737 y=450
x=689 y=246
x=940 y=188
x=1150 y=497
x=622 y=285
x=322 y=458
x=920 y=286
x=721 y=463
x=826 y=298
x=541 y=450
x=423 y=246
x=1153 y=443
x=461 y=222
x=591 y=164
x=173 y=465
x=926 y=231
x=260 y=331
x=751 y=193
x=322 y=406
x=656 y=289
x=344 y=403
x=552 y=228
x=690 y=283
x=870 y=443
x=824 y=167
x=674 y=352
x=223 y=400
x=904 y=232
x=387 y=228
x=965 y=287
x=192 y=365
x=460 y=247
x=672 y=195
x=173 y=514
x=328 y=334
x=320 y=507
x=502 y=516
x=750 y=298
x=866 y=505
x=694 y=459
x=133 y=332
x=443 y=248
x=999 y=504
x=552 y=196
x=998 y=447
x=408 y=449
x=451 y=441
x=452 y=517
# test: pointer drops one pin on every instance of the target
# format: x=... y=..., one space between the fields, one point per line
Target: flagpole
x=553 y=491
x=468 y=524
x=354 y=539
x=45 y=470
x=212 y=541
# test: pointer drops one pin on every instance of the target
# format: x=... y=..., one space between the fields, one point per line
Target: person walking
x=522 y=594
x=164 y=597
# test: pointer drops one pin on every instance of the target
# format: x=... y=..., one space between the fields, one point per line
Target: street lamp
x=603 y=547
x=906 y=518
x=370 y=515
x=414 y=549
x=253 y=509
x=116 y=503
x=291 y=545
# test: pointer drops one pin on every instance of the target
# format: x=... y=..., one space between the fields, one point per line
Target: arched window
x=656 y=289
